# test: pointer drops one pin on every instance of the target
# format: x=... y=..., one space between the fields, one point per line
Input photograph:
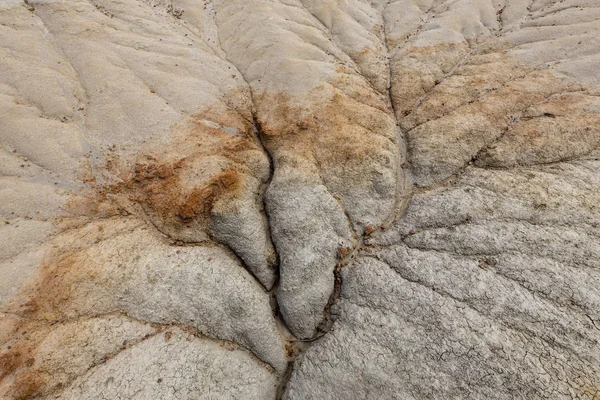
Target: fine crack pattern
x=405 y=230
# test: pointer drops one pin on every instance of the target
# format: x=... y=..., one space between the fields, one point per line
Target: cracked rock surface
x=299 y=199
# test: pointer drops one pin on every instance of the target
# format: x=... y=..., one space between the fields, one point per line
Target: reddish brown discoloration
x=343 y=252
x=158 y=185
x=346 y=137
x=18 y=360
x=206 y=164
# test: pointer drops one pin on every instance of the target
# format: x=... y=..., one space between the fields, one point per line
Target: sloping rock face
x=299 y=199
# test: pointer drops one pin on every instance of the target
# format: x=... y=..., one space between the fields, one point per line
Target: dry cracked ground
x=300 y=199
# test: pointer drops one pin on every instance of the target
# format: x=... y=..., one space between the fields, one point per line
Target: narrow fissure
x=405 y=187
x=403 y=191
x=284 y=330
x=347 y=256
x=294 y=346
x=281 y=325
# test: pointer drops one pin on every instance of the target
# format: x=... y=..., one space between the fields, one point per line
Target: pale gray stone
x=299 y=199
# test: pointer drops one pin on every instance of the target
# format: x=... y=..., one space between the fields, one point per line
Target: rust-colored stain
x=153 y=182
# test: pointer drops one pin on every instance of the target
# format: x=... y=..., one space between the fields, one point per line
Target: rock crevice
x=299 y=199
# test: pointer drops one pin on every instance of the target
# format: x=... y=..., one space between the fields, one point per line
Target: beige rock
x=300 y=199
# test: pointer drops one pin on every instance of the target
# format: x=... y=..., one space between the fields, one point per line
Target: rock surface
x=299 y=199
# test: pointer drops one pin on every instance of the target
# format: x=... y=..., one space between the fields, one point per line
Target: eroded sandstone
x=299 y=199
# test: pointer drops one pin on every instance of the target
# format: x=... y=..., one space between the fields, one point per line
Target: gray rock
x=174 y=364
x=301 y=199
